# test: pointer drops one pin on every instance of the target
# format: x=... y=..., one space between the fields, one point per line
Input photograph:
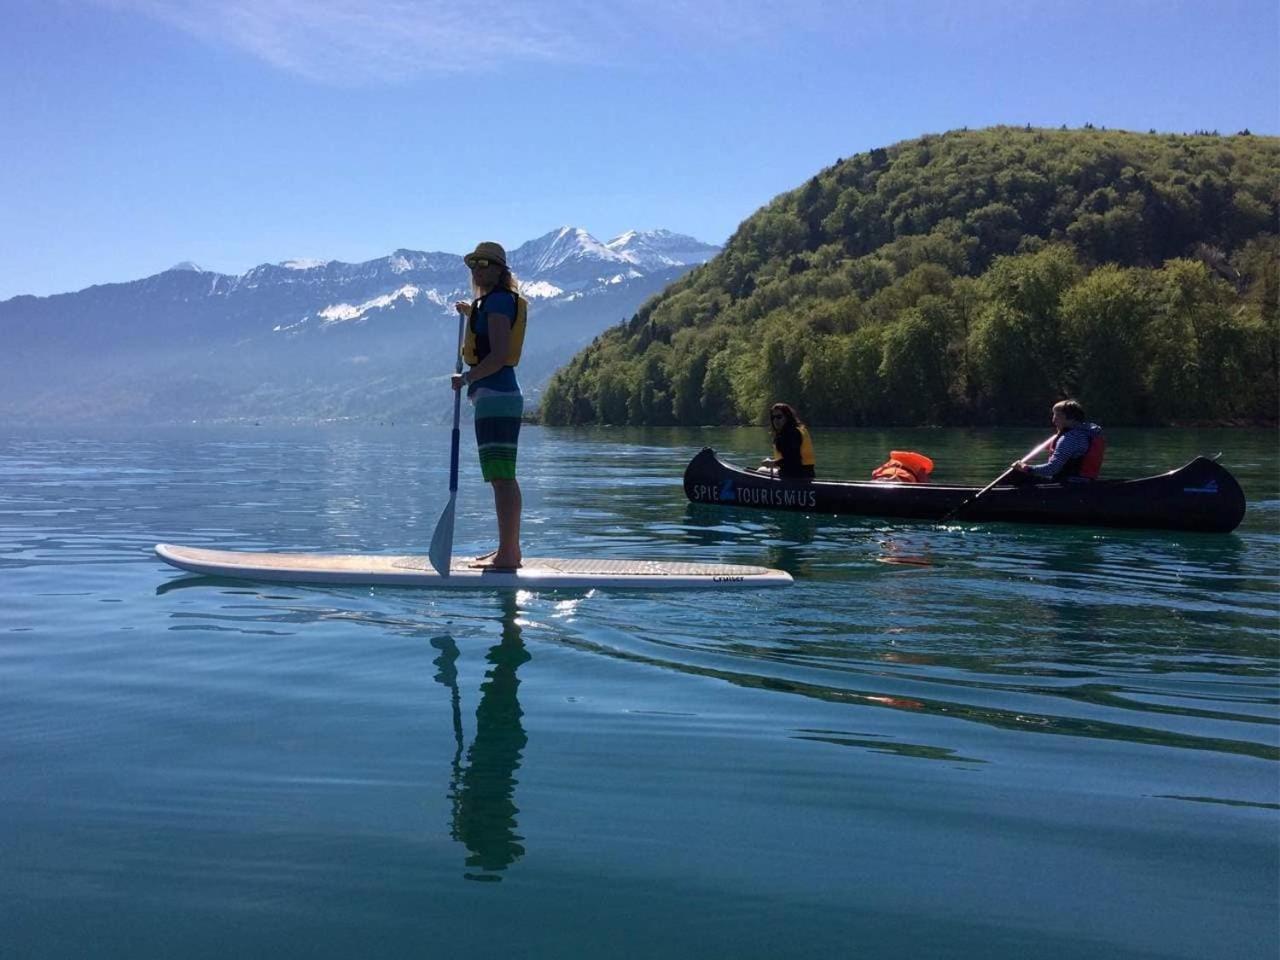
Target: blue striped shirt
x=1074 y=443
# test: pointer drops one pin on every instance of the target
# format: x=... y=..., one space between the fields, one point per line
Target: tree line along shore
x=972 y=278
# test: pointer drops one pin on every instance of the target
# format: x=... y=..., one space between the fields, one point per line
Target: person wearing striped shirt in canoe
x=1076 y=453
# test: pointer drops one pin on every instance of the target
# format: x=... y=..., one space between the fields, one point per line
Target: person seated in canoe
x=1076 y=453
x=792 y=448
x=904 y=466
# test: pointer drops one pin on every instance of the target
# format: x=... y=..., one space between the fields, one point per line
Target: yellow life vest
x=475 y=347
x=806 y=449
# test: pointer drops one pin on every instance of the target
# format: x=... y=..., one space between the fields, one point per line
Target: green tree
x=915 y=362
x=717 y=390
x=1104 y=330
x=613 y=392
x=868 y=401
x=1015 y=346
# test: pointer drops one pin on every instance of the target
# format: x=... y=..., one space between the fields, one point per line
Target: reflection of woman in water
x=484 y=810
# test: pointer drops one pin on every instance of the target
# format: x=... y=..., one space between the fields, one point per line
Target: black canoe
x=1199 y=496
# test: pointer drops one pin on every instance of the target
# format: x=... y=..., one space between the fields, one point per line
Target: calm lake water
x=1031 y=742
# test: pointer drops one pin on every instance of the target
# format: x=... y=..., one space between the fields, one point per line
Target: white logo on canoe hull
x=730 y=492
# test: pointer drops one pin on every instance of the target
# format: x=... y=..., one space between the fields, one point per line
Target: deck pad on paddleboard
x=416 y=571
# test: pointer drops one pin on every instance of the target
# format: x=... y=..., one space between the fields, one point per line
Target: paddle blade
x=441 y=552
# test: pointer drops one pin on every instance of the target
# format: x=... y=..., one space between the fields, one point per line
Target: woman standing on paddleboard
x=491 y=348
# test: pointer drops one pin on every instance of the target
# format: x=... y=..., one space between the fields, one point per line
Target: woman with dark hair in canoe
x=792 y=448
x=491 y=347
x=1075 y=454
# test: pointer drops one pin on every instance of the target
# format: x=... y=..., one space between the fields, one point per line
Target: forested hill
x=972 y=277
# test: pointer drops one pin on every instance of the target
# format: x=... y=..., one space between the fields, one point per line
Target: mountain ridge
x=403 y=260
x=318 y=337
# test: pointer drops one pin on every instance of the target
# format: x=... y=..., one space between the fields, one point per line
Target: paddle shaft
x=1025 y=457
x=441 y=551
x=457 y=412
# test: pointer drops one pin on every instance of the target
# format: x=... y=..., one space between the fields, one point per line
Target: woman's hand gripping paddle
x=441 y=552
x=1025 y=457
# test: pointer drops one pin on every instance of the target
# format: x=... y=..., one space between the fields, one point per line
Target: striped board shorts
x=498 y=432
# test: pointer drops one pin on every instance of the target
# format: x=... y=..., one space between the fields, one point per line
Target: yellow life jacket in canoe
x=806 y=449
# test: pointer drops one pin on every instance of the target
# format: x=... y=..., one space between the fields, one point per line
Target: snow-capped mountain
x=568 y=263
x=655 y=249
x=576 y=259
x=568 y=247
x=309 y=338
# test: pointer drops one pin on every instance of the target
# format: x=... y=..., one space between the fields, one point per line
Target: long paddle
x=441 y=552
x=1024 y=458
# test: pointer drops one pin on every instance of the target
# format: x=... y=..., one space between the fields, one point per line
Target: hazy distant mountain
x=309 y=339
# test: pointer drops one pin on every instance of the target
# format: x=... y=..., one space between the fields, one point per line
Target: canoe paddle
x=441 y=552
x=1024 y=458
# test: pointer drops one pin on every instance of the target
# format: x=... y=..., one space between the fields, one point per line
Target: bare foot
x=491 y=561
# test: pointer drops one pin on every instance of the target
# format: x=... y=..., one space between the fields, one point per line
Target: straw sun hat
x=486 y=251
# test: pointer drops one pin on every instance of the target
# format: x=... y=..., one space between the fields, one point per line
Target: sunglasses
x=777 y=416
x=479 y=263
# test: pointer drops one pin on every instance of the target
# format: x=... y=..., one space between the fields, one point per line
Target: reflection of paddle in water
x=482 y=790
x=448 y=675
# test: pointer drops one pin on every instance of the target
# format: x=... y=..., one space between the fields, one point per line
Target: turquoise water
x=1024 y=742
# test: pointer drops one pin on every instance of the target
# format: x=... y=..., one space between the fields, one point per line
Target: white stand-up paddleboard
x=416 y=571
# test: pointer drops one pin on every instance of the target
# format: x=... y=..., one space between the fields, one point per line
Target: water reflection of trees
x=787 y=538
x=482 y=786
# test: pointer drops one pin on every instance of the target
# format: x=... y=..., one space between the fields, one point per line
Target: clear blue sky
x=138 y=133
